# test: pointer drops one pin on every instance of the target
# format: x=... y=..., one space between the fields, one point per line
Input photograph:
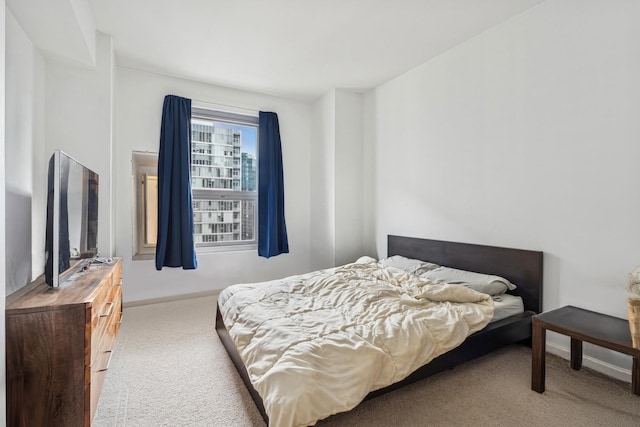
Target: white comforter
x=317 y=344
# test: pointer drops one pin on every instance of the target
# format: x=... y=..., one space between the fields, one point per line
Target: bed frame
x=522 y=267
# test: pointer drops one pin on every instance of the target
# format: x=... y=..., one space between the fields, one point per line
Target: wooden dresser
x=59 y=343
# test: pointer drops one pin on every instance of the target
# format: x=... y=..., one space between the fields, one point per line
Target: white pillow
x=484 y=283
x=409 y=265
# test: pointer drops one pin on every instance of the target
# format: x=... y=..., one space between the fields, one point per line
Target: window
x=224 y=174
x=145 y=185
x=224 y=149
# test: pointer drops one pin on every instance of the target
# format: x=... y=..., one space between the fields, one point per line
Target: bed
x=521 y=267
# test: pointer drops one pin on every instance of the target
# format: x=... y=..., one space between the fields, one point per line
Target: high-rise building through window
x=223 y=179
x=248 y=172
x=215 y=157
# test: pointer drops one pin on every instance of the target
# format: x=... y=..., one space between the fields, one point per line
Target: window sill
x=204 y=250
x=141 y=257
x=229 y=248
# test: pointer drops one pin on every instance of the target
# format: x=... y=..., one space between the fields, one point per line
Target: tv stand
x=59 y=343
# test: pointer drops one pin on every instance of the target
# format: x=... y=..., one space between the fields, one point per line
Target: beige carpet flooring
x=170 y=369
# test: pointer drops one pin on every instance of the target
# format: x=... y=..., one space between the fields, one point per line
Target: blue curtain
x=272 y=230
x=175 y=246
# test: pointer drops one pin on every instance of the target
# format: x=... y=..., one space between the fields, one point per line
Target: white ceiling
x=292 y=48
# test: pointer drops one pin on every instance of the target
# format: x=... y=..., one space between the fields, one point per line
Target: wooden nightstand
x=581 y=325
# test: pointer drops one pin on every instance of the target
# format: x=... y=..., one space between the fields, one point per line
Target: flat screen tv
x=72 y=218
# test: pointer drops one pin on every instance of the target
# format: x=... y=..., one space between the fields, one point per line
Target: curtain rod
x=199 y=101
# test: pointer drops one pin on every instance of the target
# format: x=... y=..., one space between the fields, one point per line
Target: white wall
x=79 y=109
x=3 y=242
x=337 y=174
x=322 y=189
x=138 y=111
x=349 y=176
x=24 y=134
x=368 y=176
x=527 y=137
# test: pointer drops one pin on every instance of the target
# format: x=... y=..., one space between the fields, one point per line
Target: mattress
x=506 y=305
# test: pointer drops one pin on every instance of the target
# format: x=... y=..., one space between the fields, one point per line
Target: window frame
x=143 y=163
x=229 y=195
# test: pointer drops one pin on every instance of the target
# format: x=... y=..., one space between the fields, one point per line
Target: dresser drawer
x=102 y=316
x=98 y=373
x=107 y=323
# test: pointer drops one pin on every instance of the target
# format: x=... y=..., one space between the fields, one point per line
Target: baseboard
x=170 y=298
x=592 y=363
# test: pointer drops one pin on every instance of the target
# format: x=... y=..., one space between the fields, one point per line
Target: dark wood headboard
x=522 y=267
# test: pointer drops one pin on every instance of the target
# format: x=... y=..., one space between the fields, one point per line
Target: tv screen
x=72 y=217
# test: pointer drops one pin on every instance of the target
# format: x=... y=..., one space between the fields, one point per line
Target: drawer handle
x=119 y=283
x=110 y=304
x=121 y=317
x=108 y=361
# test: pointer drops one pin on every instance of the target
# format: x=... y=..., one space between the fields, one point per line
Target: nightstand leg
x=538 y=352
x=576 y=354
x=635 y=376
